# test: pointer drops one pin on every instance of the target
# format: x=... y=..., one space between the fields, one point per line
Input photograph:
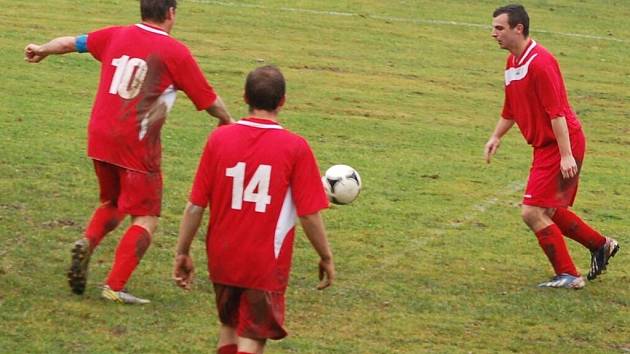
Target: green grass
x=432 y=257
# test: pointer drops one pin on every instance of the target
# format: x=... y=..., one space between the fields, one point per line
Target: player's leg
x=251 y=346
x=104 y=219
x=130 y=250
x=572 y=226
x=602 y=248
x=141 y=196
x=107 y=216
x=261 y=317
x=550 y=239
x=227 y=340
x=227 y=299
x=575 y=228
x=547 y=189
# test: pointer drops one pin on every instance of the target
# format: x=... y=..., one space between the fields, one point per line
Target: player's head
x=265 y=89
x=510 y=24
x=157 y=11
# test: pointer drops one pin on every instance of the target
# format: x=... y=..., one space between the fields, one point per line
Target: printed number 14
x=260 y=181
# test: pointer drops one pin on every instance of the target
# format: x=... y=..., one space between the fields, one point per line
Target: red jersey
x=535 y=94
x=141 y=69
x=256 y=177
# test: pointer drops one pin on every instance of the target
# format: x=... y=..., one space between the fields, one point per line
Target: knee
x=150 y=223
x=530 y=215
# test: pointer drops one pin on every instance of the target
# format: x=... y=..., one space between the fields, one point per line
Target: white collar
x=258 y=125
x=527 y=51
x=151 y=29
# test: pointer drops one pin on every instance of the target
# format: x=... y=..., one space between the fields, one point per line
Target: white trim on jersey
x=167 y=98
x=259 y=125
x=518 y=73
x=286 y=221
x=150 y=29
x=531 y=46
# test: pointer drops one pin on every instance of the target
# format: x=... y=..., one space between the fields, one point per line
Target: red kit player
x=256 y=177
x=142 y=67
x=536 y=100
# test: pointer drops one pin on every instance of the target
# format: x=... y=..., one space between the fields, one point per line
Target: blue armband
x=81 y=43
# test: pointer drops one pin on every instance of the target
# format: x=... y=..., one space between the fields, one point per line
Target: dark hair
x=264 y=88
x=156 y=10
x=516 y=14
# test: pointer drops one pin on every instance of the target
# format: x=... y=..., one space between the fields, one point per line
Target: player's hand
x=183 y=271
x=33 y=53
x=568 y=167
x=491 y=147
x=326 y=273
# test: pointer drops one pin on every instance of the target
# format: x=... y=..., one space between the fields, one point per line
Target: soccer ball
x=342 y=184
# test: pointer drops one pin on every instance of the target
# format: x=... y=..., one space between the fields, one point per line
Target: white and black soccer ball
x=342 y=184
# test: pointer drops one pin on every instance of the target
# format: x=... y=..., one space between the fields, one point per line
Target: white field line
x=480 y=208
x=398 y=19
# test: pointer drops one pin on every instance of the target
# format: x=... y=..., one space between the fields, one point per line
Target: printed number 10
x=128 y=77
x=260 y=181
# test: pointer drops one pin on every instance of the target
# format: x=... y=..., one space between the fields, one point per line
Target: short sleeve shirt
x=256 y=178
x=535 y=94
x=142 y=67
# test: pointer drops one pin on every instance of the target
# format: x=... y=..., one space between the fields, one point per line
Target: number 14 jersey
x=256 y=177
x=141 y=69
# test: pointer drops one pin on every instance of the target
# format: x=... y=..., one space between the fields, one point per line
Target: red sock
x=227 y=349
x=575 y=228
x=554 y=246
x=105 y=219
x=244 y=353
x=130 y=250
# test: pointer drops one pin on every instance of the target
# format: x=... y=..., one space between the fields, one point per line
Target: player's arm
x=502 y=127
x=568 y=166
x=184 y=270
x=219 y=111
x=34 y=53
x=313 y=226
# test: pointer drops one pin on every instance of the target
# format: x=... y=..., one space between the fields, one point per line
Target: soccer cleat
x=564 y=280
x=77 y=275
x=122 y=297
x=600 y=257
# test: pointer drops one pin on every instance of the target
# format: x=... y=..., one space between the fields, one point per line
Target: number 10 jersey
x=141 y=69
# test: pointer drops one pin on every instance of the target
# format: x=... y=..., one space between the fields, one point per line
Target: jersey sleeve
x=507 y=111
x=550 y=90
x=200 y=193
x=306 y=184
x=98 y=41
x=189 y=78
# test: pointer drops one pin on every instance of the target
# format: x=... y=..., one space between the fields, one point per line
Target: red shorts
x=134 y=193
x=545 y=186
x=256 y=314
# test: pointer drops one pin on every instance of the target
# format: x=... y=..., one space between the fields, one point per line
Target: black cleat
x=77 y=275
x=600 y=257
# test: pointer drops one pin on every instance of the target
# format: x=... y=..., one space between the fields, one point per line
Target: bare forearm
x=502 y=127
x=313 y=226
x=34 y=53
x=191 y=220
x=219 y=111
x=61 y=45
x=561 y=131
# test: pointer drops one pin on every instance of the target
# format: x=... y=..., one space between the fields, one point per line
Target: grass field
x=432 y=257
